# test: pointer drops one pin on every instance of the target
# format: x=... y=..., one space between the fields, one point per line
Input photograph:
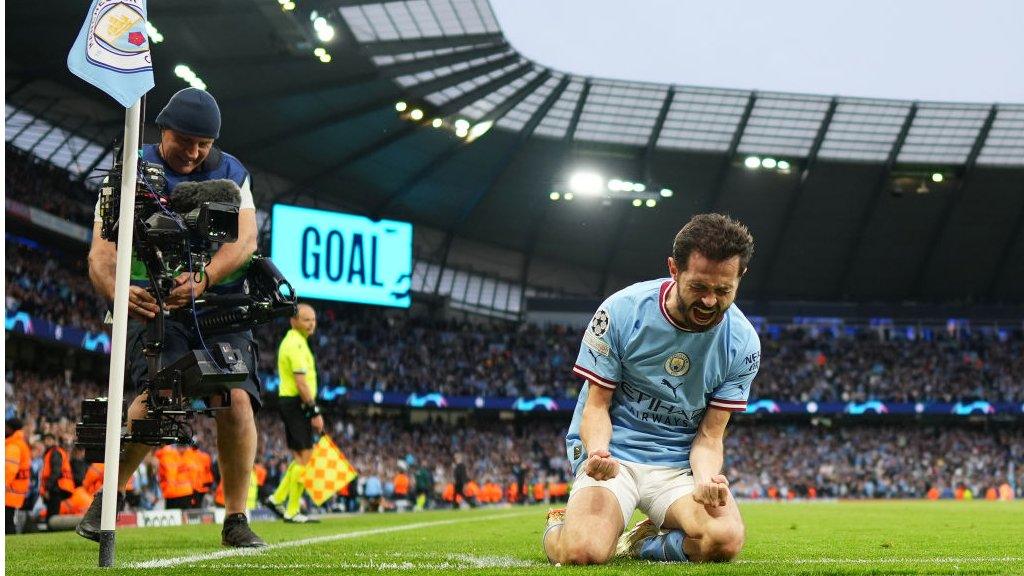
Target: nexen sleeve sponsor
x=732 y=394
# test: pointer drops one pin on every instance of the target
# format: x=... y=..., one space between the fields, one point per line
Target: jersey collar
x=662 y=296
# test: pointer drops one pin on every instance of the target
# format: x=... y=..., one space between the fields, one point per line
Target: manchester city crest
x=599 y=325
x=117 y=39
x=677 y=364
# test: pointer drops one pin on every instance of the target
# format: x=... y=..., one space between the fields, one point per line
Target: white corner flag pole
x=115 y=387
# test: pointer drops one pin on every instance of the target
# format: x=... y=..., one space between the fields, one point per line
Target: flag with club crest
x=328 y=471
x=112 y=50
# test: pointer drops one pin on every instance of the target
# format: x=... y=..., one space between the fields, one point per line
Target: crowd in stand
x=51 y=286
x=38 y=183
x=804 y=365
x=872 y=461
x=525 y=461
x=360 y=349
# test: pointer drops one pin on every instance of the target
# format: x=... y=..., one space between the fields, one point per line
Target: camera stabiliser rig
x=174 y=234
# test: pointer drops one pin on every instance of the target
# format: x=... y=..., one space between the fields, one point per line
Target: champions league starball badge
x=599 y=325
x=677 y=364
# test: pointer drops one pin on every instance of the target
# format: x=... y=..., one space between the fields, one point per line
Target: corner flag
x=112 y=50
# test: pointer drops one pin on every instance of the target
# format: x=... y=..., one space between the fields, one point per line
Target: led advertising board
x=336 y=256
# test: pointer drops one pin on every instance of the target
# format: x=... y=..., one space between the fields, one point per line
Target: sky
x=940 y=50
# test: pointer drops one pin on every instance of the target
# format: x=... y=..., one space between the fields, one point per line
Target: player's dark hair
x=715 y=236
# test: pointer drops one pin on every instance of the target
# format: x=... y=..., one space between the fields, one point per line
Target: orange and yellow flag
x=328 y=471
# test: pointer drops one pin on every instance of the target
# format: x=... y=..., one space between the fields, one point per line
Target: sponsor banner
x=199 y=517
x=436 y=400
x=21 y=322
x=127 y=520
x=47 y=221
x=160 y=518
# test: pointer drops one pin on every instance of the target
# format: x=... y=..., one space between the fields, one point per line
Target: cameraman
x=189 y=124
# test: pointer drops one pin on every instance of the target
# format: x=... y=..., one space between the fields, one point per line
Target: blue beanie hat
x=191 y=111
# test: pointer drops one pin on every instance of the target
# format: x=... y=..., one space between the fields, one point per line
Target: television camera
x=174 y=234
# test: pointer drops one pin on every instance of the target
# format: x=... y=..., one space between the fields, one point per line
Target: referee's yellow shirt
x=295 y=357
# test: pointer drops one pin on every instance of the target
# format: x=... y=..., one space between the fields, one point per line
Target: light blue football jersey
x=664 y=377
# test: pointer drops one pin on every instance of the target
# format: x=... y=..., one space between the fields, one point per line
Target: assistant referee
x=297 y=401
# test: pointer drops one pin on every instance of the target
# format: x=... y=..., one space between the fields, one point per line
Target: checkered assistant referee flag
x=328 y=471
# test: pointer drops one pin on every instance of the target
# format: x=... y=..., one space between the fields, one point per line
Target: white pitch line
x=197 y=558
x=948 y=560
x=453 y=562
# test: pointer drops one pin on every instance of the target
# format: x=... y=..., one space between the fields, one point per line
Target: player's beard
x=699 y=318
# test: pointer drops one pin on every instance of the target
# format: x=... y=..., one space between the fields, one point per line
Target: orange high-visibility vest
x=538 y=491
x=513 y=492
x=449 y=492
x=201 y=467
x=18 y=469
x=401 y=482
x=471 y=489
x=1005 y=492
x=261 y=474
x=174 y=473
x=77 y=503
x=66 y=481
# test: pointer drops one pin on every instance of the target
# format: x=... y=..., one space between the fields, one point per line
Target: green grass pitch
x=782 y=538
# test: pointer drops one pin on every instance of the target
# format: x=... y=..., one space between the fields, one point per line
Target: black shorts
x=179 y=339
x=297 y=428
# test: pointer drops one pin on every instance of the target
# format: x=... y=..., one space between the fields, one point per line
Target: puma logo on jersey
x=671 y=387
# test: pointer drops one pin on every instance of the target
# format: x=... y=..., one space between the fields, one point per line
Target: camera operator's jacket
x=218 y=165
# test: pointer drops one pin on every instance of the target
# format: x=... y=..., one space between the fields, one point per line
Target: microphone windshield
x=188 y=196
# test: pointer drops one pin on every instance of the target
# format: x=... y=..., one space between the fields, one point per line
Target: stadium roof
x=855 y=214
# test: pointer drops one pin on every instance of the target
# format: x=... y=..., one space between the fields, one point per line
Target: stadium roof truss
x=328 y=136
x=698 y=119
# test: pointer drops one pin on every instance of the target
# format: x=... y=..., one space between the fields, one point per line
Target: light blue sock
x=667 y=547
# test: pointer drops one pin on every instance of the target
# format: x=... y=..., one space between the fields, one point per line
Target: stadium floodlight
x=197 y=83
x=938 y=177
x=768 y=163
x=782 y=165
x=416 y=114
x=154 y=35
x=325 y=58
x=554 y=196
x=324 y=31
x=584 y=182
x=651 y=202
x=666 y=193
x=325 y=34
x=436 y=123
x=462 y=124
x=184 y=72
x=615 y=185
x=638 y=202
x=479 y=130
x=401 y=106
x=639 y=187
x=288 y=6
x=752 y=162
x=569 y=196
x=461 y=132
x=625 y=185
x=319 y=51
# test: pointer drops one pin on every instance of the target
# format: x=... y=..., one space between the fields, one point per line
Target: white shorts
x=652 y=489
